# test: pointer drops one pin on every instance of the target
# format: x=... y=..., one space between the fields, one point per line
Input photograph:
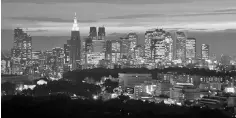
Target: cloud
x=135 y=16
x=204 y=14
x=48 y=19
x=99 y=1
x=229 y=10
x=38 y=30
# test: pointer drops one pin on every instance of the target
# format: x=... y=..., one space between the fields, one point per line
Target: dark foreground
x=64 y=107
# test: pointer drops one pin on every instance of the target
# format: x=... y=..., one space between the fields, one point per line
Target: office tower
x=205 y=51
x=98 y=46
x=5 y=64
x=180 y=46
x=147 y=45
x=108 y=50
x=21 y=51
x=58 y=54
x=93 y=33
x=98 y=51
x=133 y=40
x=169 y=47
x=158 y=45
x=66 y=54
x=139 y=54
x=124 y=47
x=139 y=51
x=191 y=48
x=116 y=50
x=101 y=33
x=75 y=46
x=36 y=55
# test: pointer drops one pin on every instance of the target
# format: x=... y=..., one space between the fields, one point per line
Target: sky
x=50 y=17
x=55 y=17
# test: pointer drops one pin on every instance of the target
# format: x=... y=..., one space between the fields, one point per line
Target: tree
x=9 y=88
x=110 y=85
x=41 y=90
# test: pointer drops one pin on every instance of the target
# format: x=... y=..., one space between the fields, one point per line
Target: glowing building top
x=75 y=25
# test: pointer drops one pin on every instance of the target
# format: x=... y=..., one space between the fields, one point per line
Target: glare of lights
x=95 y=97
x=29 y=87
x=230 y=90
x=41 y=82
x=114 y=95
x=179 y=104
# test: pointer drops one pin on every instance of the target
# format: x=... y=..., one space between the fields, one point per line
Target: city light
x=95 y=97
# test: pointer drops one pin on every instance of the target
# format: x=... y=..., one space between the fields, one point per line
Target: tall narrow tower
x=75 y=46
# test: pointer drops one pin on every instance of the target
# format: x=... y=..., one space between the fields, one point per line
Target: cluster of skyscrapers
x=161 y=48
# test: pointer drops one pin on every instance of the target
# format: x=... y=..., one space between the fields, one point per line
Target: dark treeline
x=97 y=73
x=64 y=107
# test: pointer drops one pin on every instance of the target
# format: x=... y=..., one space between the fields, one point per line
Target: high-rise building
x=75 y=46
x=58 y=54
x=133 y=40
x=116 y=51
x=21 y=51
x=205 y=51
x=93 y=33
x=158 y=44
x=98 y=46
x=125 y=43
x=66 y=53
x=108 y=50
x=101 y=33
x=191 y=48
x=169 y=47
x=180 y=46
x=147 y=45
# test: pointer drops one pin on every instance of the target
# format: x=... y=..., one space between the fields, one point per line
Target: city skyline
x=60 y=24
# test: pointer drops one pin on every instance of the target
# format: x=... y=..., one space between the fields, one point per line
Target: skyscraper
x=158 y=45
x=180 y=46
x=108 y=49
x=93 y=33
x=133 y=40
x=101 y=33
x=205 y=51
x=191 y=48
x=75 y=46
x=147 y=45
x=169 y=47
x=21 y=51
x=116 y=51
x=66 y=54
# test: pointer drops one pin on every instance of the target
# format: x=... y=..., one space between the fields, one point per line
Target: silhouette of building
x=115 y=51
x=75 y=46
x=93 y=33
x=147 y=45
x=180 y=46
x=158 y=45
x=191 y=48
x=169 y=45
x=101 y=33
x=21 y=51
x=108 y=49
x=205 y=51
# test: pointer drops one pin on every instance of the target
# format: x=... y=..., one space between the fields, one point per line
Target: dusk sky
x=50 y=17
x=55 y=17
